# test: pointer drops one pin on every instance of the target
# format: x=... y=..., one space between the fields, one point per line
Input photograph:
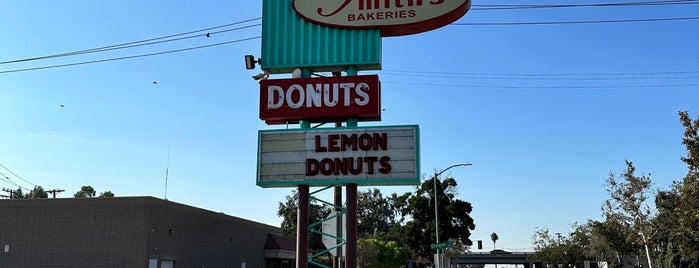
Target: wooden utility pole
x=54 y=191
x=10 y=191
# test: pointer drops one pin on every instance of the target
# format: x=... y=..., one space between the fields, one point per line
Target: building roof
x=280 y=242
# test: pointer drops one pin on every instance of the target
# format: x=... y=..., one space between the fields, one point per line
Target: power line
x=537 y=77
x=570 y=22
x=170 y=38
x=549 y=6
x=15 y=174
x=129 y=57
x=7 y=179
x=541 y=87
x=626 y=76
x=150 y=41
x=547 y=74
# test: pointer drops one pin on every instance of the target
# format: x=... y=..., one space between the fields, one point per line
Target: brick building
x=139 y=232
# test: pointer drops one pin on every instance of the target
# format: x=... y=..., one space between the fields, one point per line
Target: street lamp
x=438 y=262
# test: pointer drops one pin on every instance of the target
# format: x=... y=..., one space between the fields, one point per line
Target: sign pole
x=351 y=238
x=301 y=227
x=302 y=216
x=338 y=203
x=351 y=204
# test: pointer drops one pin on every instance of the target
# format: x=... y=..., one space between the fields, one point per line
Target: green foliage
x=37 y=192
x=408 y=220
x=494 y=237
x=627 y=205
x=289 y=210
x=106 y=194
x=691 y=141
x=374 y=253
x=571 y=250
x=88 y=192
x=455 y=222
x=85 y=192
x=613 y=241
x=668 y=233
x=688 y=205
x=18 y=194
x=678 y=208
x=375 y=213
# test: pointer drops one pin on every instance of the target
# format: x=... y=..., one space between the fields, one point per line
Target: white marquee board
x=387 y=155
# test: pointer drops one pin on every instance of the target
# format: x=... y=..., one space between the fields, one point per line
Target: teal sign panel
x=289 y=42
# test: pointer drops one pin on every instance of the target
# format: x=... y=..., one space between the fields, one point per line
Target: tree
x=631 y=226
x=688 y=220
x=668 y=203
x=106 y=194
x=549 y=248
x=494 y=237
x=417 y=214
x=85 y=192
x=613 y=240
x=569 y=250
x=374 y=253
x=17 y=194
x=375 y=214
x=406 y=220
x=288 y=211
x=627 y=204
x=37 y=192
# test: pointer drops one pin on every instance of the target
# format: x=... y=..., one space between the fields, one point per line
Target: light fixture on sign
x=296 y=73
x=261 y=76
x=250 y=62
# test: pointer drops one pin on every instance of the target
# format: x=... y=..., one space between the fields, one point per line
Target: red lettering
x=348 y=165
x=312 y=167
x=318 y=147
x=348 y=142
x=327 y=166
x=380 y=141
x=376 y=4
x=370 y=160
x=356 y=170
x=410 y=2
x=368 y=4
x=341 y=165
x=353 y=142
x=365 y=142
x=333 y=142
x=385 y=165
x=320 y=10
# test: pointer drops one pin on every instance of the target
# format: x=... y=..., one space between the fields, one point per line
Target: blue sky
x=544 y=112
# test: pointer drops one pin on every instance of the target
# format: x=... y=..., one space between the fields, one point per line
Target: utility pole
x=10 y=191
x=54 y=191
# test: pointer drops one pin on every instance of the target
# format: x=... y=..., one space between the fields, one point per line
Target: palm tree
x=494 y=237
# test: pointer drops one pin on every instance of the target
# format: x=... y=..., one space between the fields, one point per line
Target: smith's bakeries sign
x=323 y=99
x=393 y=17
x=361 y=155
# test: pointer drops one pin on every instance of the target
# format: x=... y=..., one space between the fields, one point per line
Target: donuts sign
x=393 y=17
x=323 y=99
